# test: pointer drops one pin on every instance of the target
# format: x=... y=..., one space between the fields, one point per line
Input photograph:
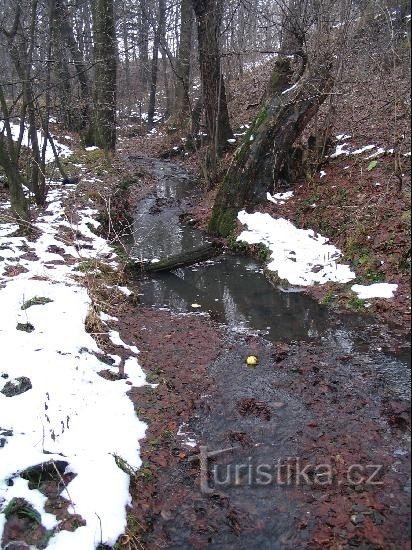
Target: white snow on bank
x=340 y=150
x=363 y=149
x=279 y=198
x=298 y=255
x=289 y=89
x=376 y=290
x=62 y=150
x=71 y=413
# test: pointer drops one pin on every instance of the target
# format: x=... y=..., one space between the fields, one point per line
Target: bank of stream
x=323 y=392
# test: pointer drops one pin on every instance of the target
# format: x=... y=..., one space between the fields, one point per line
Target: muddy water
x=326 y=398
x=233 y=289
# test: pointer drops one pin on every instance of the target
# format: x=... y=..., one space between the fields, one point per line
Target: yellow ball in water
x=251 y=361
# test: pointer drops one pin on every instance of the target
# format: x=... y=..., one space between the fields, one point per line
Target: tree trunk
x=181 y=107
x=18 y=201
x=159 y=33
x=105 y=59
x=143 y=37
x=21 y=52
x=209 y=16
x=262 y=162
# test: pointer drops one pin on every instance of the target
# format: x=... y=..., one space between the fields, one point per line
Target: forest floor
x=313 y=441
x=306 y=428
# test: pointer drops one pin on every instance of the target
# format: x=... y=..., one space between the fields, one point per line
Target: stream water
x=232 y=289
x=336 y=378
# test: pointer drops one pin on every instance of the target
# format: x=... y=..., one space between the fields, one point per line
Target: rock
x=16 y=387
x=36 y=301
x=25 y=327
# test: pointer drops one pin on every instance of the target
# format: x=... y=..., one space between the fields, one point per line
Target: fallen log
x=183 y=259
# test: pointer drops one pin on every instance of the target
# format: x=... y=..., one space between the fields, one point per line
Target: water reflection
x=233 y=289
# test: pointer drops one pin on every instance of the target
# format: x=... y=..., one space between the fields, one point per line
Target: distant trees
x=159 y=37
x=81 y=61
x=181 y=103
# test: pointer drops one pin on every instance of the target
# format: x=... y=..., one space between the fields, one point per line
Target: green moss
x=124 y=466
x=223 y=221
x=240 y=247
x=274 y=279
x=145 y=473
x=328 y=298
x=356 y=303
x=280 y=76
x=263 y=252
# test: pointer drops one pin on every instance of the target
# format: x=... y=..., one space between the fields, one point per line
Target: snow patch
x=300 y=256
x=62 y=150
x=376 y=290
x=70 y=413
x=279 y=198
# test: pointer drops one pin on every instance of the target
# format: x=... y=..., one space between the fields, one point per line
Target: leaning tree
x=301 y=80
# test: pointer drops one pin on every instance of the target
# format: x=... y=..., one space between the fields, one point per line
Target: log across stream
x=179 y=267
x=183 y=259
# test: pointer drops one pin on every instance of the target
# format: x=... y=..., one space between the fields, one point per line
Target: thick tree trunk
x=166 y=85
x=181 y=107
x=78 y=115
x=159 y=34
x=105 y=59
x=143 y=37
x=261 y=163
x=209 y=15
x=21 y=53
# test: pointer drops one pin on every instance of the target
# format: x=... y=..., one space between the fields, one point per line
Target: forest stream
x=329 y=397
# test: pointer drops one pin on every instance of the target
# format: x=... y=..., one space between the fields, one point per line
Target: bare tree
x=105 y=66
x=209 y=18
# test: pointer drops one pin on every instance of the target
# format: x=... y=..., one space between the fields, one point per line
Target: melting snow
x=279 y=198
x=71 y=413
x=298 y=255
x=376 y=290
x=289 y=89
x=62 y=150
x=363 y=149
x=340 y=150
